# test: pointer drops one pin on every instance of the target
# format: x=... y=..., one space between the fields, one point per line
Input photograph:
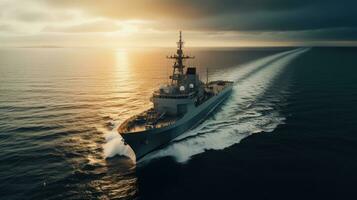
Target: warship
x=177 y=107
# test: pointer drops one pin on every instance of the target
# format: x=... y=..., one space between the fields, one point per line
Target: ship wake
x=115 y=145
x=250 y=109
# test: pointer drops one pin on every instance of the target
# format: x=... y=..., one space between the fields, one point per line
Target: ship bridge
x=183 y=91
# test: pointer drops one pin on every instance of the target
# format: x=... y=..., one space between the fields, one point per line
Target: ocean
x=288 y=131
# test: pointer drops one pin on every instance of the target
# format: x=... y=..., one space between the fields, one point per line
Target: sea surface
x=288 y=131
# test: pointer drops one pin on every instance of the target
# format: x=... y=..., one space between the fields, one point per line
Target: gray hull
x=147 y=141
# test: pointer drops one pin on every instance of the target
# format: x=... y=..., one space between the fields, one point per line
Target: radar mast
x=178 y=66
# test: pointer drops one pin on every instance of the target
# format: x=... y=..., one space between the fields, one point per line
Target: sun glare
x=122 y=60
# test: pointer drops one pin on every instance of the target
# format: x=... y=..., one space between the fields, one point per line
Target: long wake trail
x=241 y=115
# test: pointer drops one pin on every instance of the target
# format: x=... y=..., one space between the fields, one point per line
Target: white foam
x=235 y=74
x=115 y=146
x=239 y=117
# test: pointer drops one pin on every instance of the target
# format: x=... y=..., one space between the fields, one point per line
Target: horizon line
x=187 y=47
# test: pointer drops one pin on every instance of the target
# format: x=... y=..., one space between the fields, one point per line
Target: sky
x=155 y=23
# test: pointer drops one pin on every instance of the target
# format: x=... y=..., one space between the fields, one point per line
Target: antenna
x=179 y=57
x=207 y=75
x=167 y=74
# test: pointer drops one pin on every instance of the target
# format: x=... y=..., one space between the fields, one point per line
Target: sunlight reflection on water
x=60 y=104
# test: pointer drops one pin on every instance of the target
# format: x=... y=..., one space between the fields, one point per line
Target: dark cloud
x=316 y=15
x=230 y=15
x=334 y=34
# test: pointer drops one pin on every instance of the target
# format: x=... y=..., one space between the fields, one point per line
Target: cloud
x=33 y=11
x=226 y=14
x=177 y=8
x=133 y=9
x=333 y=34
x=88 y=27
x=34 y=15
x=225 y=20
x=6 y=28
x=293 y=19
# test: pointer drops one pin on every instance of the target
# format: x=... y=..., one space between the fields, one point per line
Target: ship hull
x=147 y=141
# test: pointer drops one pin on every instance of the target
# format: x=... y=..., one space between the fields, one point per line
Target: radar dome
x=182 y=88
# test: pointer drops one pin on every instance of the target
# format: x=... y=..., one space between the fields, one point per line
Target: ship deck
x=145 y=121
x=153 y=120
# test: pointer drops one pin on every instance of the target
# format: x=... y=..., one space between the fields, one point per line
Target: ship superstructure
x=177 y=107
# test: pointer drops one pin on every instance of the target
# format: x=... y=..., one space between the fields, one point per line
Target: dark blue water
x=287 y=132
x=311 y=156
